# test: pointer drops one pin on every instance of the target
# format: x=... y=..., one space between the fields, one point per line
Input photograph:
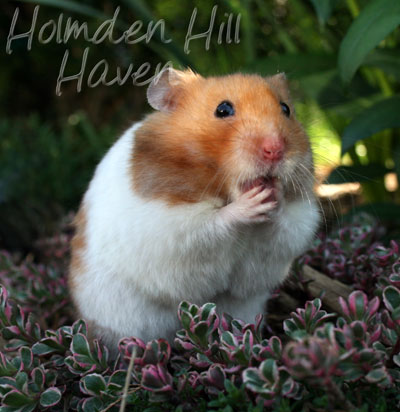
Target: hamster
x=208 y=199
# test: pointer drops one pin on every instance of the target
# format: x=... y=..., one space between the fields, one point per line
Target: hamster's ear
x=164 y=90
x=280 y=84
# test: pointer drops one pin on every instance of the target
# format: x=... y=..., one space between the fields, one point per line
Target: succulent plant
x=216 y=363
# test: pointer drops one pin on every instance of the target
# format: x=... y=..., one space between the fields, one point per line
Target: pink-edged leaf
x=358 y=302
x=226 y=322
x=156 y=378
x=50 y=397
x=229 y=340
x=344 y=307
x=391 y=298
x=276 y=346
x=216 y=375
x=38 y=377
x=26 y=356
x=16 y=399
x=373 y=306
x=376 y=334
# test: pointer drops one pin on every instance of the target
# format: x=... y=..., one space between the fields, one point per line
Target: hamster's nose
x=273 y=149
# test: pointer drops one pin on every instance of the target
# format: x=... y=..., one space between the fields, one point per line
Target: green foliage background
x=342 y=57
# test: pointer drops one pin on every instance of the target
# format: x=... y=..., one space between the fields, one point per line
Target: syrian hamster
x=208 y=199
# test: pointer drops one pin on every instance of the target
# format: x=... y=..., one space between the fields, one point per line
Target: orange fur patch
x=78 y=246
x=187 y=154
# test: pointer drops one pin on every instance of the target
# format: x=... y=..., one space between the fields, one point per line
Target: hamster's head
x=221 y=136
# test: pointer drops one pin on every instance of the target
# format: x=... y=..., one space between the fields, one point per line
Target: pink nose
x=273 y=149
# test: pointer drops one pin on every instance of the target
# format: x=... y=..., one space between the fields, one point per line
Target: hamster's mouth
x=266 y=182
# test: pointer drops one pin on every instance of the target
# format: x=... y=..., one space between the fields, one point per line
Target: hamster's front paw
x=252 y=206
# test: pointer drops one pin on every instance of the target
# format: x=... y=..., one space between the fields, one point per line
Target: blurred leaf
x=356 y=173
x=396 y=158
x=94 y=384
x=373 y=24
x=294 y=65
x=386 y=60
x=324 y=9
x=380 y=116
x=50 y=397
x=384 y=211
x=326 y=88
x=138 y=7
x=71 y=6
x=391 y=298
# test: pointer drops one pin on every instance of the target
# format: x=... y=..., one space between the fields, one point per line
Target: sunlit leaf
x=374 y=23
x=380 y=116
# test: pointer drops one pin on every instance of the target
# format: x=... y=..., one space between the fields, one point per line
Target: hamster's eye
x=285 y=109
x=225 y=109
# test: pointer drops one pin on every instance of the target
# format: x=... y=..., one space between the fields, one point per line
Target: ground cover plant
x=316 y=354
x=321 y=360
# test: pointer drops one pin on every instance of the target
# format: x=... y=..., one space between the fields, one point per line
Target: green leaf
x=22 y=381
x=276 y=346
x=200 y=330
x=92 y=405
x=206 y=310
x=252 y=376
x=94 y=384
x=378 y=117
x=386 y=60
x=391 y=298
x=269 y=370
x=324 y=9
x=396 y=359
x=229 y=339
x=117 y=379
x=38 y=378
x=373 y=24
x=80 y=345
x=376 y=375
x=50 y=397
x=17 y=399
x=384 y=211
x=294 y=65
x=139 y=8
x=71 y=6
x=396 y=158
x=41 y=348
x=26 y=357
x=356 y=173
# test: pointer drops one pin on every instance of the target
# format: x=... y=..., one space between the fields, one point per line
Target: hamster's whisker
x=302 y=186
x=294 y=186
x=211 y=181
x=331 y=202
x=307 y=172
x=221 y=184
x=293 y=177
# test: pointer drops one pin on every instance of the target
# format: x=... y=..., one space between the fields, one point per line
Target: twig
x=318 y=282
x=127 y=380
x=125 y=392
x=119 y=400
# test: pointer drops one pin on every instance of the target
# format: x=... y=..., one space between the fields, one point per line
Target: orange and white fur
x=200 y=202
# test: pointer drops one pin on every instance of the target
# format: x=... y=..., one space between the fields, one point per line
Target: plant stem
x=127 y=380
